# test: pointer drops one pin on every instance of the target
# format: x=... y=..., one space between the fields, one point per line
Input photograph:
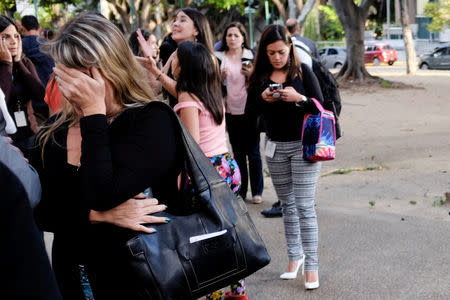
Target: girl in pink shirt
x=201 y=108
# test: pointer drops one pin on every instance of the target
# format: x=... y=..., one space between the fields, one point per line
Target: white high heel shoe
x=312 y=285
x=293 y=275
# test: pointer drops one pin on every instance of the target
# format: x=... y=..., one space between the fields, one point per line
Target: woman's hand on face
x=18 y=57
x=4 y=52
x=289 y=94
x=267 y=95
x=82 y=90
x=146 y=47
x=132 y=214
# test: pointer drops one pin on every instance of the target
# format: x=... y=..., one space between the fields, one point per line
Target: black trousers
x=245 y=141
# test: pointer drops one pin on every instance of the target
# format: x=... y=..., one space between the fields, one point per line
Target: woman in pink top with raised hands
x=201 y=108
x=236 y=64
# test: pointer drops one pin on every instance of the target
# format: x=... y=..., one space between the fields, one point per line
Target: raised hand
x=146 y=48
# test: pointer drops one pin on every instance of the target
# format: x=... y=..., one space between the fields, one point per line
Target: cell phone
x=275 y=86
x=246 y=63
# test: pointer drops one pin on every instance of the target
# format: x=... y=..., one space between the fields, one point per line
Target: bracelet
x=159 y=75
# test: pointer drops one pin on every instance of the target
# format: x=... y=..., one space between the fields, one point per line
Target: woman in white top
x=236 y=64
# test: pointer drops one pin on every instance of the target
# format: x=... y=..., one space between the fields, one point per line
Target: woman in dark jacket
x=281 y=89
x=106 y=146
x=20 y=83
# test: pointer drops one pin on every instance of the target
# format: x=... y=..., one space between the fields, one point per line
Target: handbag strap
x=203 y=174
x=318 y=105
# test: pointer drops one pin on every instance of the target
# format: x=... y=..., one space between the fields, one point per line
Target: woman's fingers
x=140 y=196
x=144 y=229
x=153 y=219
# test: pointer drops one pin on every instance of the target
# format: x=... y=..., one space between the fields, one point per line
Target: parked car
x=333 y=57
x=378 y=53
x=438 y=59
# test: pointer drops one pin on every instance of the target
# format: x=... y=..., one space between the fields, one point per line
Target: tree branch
x=305 y=11
x=280 y=7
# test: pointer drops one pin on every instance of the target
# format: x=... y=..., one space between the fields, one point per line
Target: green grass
x=372 y=203
x=439 y=202
x=413 y=202
x=386 y=84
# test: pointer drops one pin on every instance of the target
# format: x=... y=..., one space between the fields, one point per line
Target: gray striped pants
x=295 y=182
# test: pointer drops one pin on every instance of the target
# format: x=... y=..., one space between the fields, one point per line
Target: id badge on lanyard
x=19 y=116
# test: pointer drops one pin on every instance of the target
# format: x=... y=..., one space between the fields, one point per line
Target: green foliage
x=440 y=13
x=310 y=26
x=227 y=4
x=331 y=26
x=372 y=203
x=6 y=5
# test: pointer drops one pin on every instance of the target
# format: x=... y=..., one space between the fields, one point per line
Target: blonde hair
x=89 y=40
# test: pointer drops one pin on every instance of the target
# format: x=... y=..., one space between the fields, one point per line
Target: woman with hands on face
x=235 y=59
x=283 y=108
x=20 y=84
x=189 y=25
x=96 y=157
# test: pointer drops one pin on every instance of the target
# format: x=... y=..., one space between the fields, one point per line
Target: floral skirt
x=228 y=169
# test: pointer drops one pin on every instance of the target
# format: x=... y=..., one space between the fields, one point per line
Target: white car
x=333 y=57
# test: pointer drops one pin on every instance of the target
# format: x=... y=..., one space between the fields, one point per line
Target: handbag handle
x=318 y=105
x=203 y=174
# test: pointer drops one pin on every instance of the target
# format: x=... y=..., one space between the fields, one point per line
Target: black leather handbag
x=203 y=251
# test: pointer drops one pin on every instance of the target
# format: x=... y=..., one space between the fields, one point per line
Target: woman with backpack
x=281 y=88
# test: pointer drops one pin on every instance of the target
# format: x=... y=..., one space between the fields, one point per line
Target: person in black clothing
x=43 y=63
x=30 y=42
x=104 y=147
x=20 y=84
x=295 y=30
x=168 y=46
x=23 y=258
x=281 y=88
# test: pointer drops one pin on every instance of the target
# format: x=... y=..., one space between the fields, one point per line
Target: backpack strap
x=308 y=51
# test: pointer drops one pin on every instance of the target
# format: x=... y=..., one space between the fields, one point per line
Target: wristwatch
x=303 y=100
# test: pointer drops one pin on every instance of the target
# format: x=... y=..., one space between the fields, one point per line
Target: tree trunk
x=292 y=9
x=299 y=6
x=411 y=64
x=352 y=18
x=305 y=11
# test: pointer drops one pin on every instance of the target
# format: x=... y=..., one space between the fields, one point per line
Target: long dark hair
x=5 y=22
x=238 y=25
x=199 y=76
x=262 y=66
x=201 y=23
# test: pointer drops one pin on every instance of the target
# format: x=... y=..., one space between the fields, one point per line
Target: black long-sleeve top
x=138 y=149
x=284 y=120
x=20 y=84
